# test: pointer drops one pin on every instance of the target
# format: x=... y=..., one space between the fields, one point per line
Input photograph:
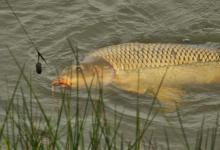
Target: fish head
x=74 y=76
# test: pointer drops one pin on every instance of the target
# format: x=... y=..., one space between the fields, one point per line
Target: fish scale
x=132 y=56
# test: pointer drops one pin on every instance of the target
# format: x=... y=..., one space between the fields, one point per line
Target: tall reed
x=20 y=130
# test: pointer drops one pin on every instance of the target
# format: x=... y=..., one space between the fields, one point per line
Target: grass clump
x=21 y=130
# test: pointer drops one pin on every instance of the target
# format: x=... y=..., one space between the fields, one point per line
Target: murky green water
x=97 y=23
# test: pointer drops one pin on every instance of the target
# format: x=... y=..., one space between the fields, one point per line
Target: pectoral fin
x=170 y=98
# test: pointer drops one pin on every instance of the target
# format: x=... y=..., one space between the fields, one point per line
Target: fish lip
x=60 y=82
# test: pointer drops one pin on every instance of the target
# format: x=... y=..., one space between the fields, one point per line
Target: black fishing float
x=38 y=66
x=39 y=55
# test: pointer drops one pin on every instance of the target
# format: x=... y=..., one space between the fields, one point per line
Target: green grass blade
x=11 y=102
x=35 y=96
x=167 y=139
x=214 y=133
x=182 y=129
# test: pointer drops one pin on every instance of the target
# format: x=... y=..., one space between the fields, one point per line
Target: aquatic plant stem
x=35 y=96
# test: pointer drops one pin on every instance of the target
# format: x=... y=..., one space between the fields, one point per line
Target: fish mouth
x=60 y=82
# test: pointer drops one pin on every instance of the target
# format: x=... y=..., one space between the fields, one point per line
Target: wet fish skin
x=133 y=56
x=139 y=68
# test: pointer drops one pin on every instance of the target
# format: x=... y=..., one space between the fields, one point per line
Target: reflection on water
x=95 y=23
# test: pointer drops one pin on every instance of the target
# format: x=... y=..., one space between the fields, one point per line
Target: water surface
x=97 y=23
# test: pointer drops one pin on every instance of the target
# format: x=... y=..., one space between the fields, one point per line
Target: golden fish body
x=186 y=64
x=139 y=67
x=133 y=56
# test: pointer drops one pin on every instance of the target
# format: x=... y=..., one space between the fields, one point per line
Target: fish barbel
x=130 y=65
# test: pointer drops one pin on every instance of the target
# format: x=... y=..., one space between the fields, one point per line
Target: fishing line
x=39 y=55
